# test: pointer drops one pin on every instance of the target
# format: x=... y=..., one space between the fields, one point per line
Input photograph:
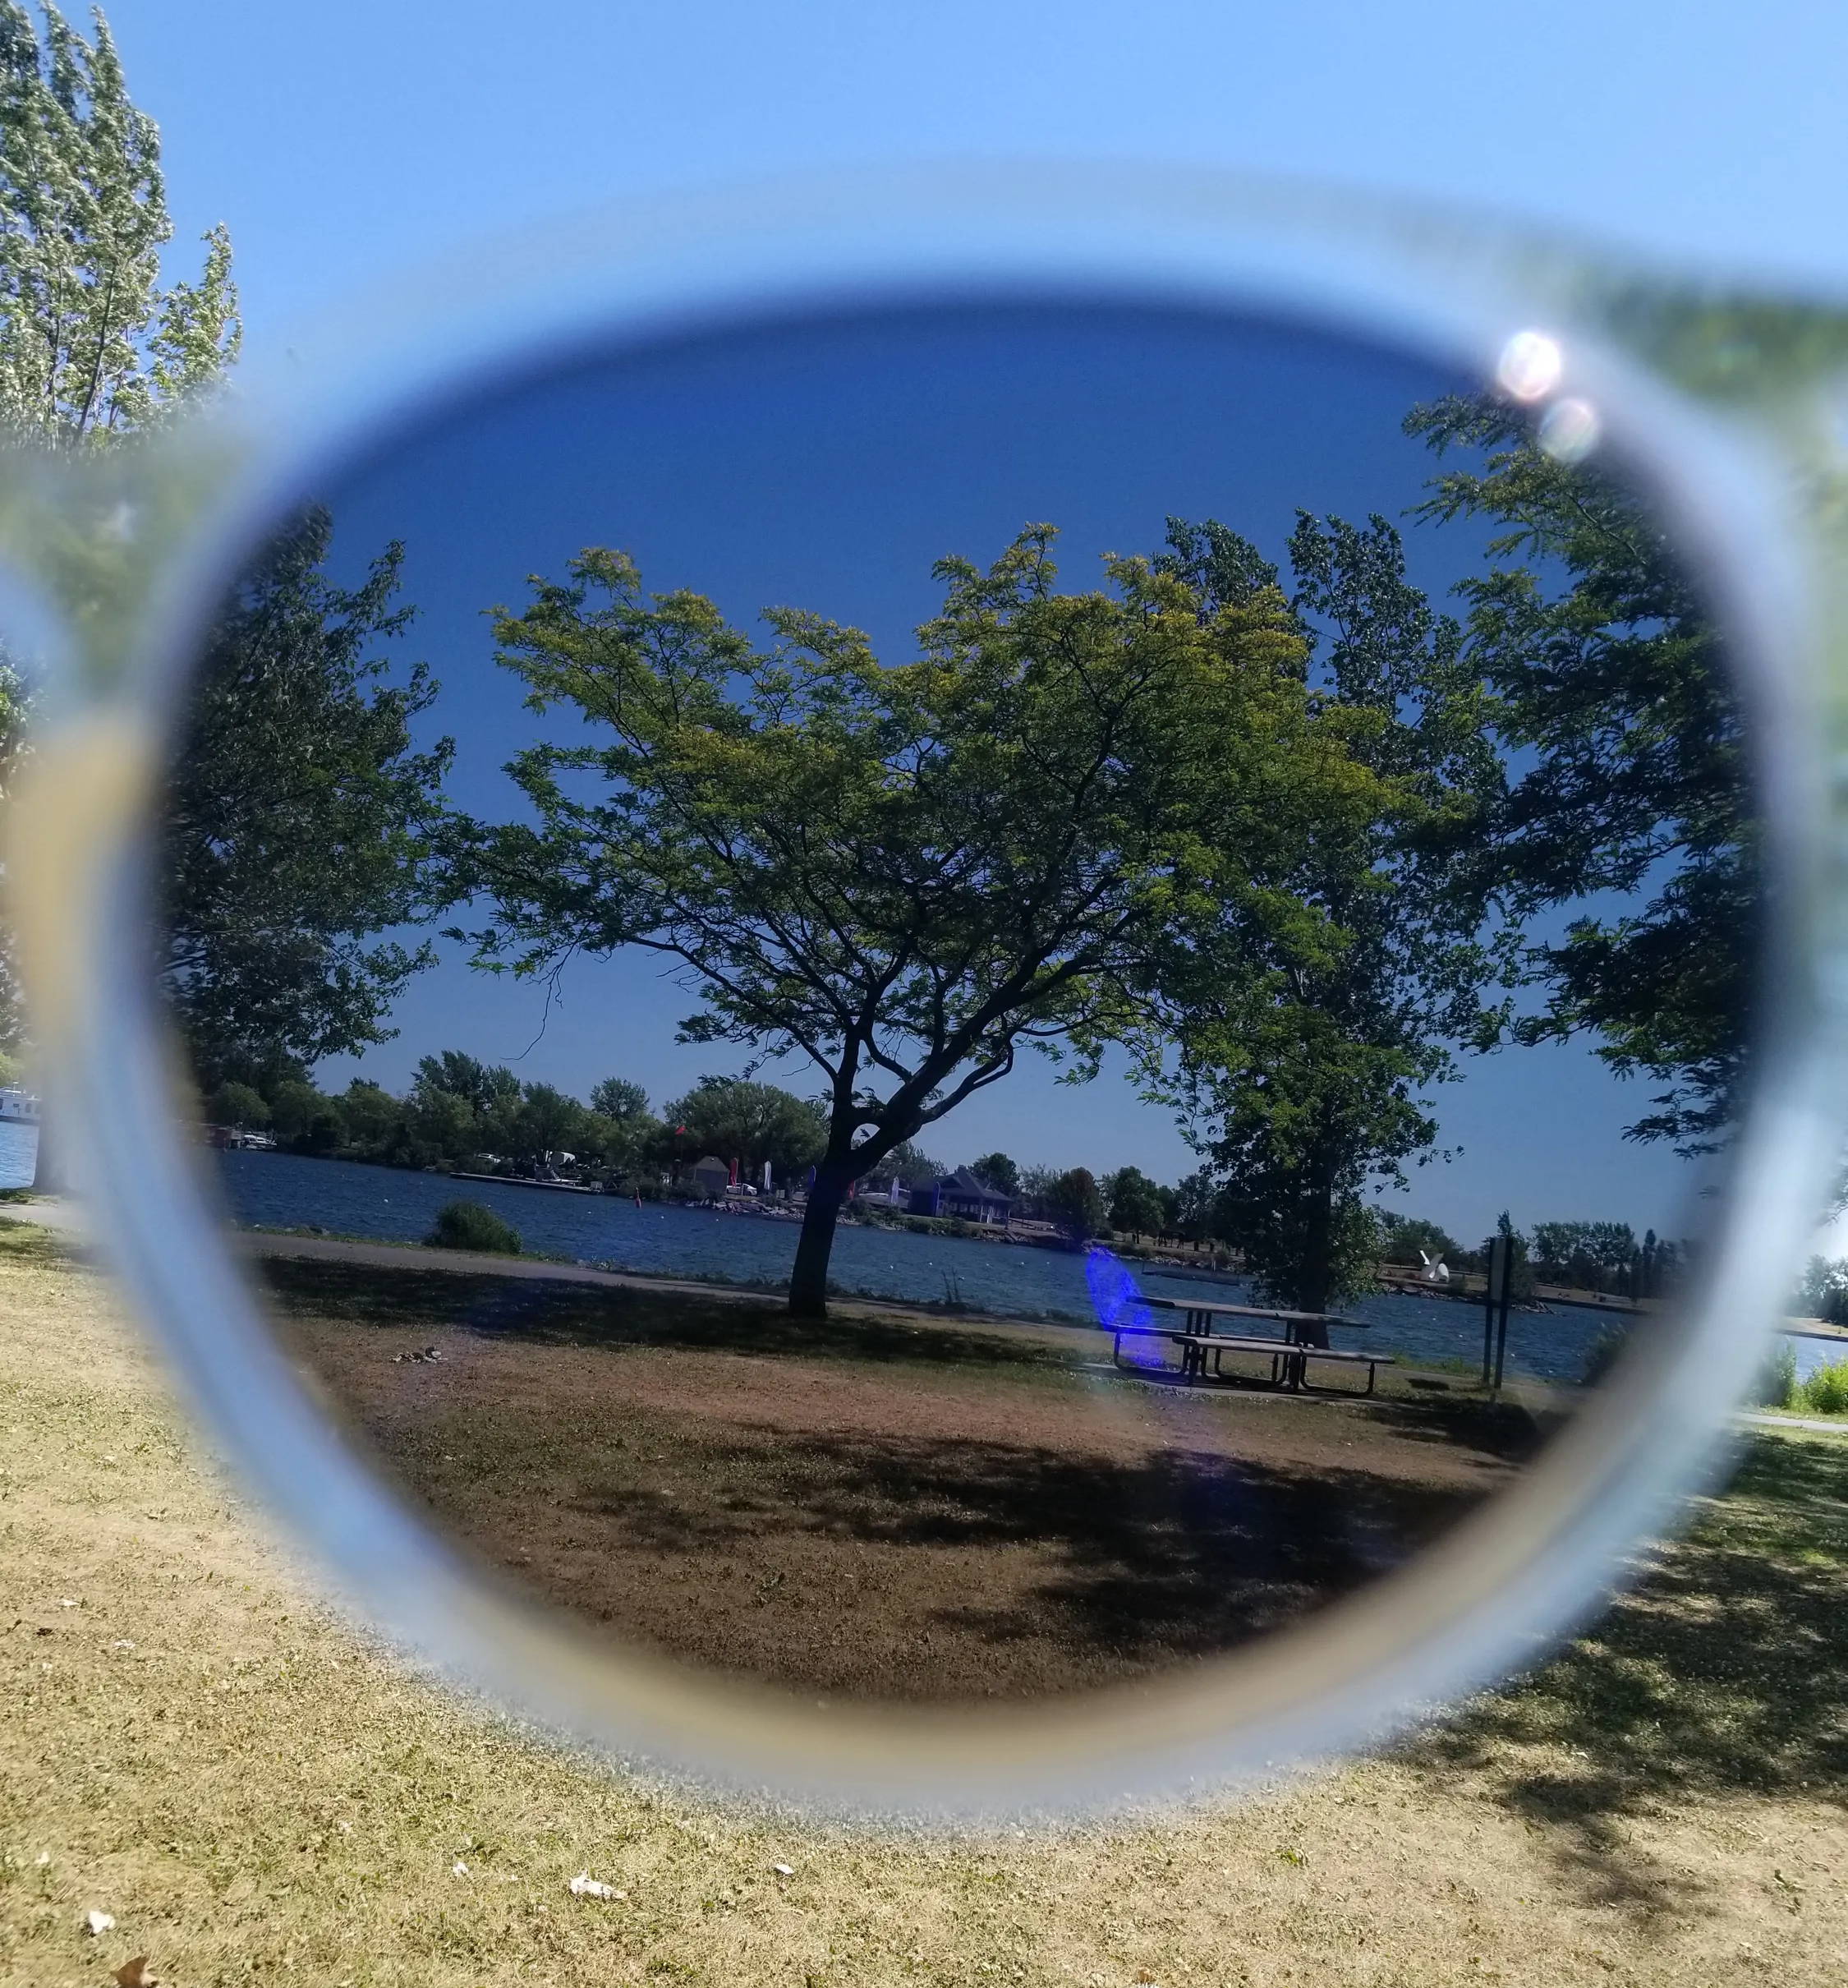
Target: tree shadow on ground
x=1018 y=1568
x=561 y=1312
x=1723 y=1672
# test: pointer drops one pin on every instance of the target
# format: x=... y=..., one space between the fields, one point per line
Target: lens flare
x=1570 y=430
x=1530 y=365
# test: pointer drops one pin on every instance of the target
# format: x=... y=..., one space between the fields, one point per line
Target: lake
x=388 y=1204
x=18 y=1148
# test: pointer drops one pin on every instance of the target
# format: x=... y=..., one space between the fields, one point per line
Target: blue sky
x=340 y=139
x=344 y=145
x=828 y=466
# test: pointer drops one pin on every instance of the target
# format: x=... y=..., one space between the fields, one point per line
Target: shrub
x=466 y=1224
x=1826 y=1391
x=1605 y=1351
x=1777 y=1385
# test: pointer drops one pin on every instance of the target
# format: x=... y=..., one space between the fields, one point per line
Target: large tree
x=1305 y=1083
x=1612 y=687
x=906 y=874
x=303 y=820
x=93 y=344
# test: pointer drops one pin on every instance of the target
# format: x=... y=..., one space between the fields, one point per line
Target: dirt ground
x=882 y=1508
x=193 y=1745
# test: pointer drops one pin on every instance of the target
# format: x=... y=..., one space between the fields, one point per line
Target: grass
x=257 y=1794
x=873 y=1505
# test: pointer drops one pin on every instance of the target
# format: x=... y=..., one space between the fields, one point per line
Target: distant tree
x=913 y=1166
x=547 y=1122
x=908 y=874
x=439 y=1125
x=1610 y=679
x=1133 y=1201
x=1196 y=1207
x=750 y=1123
x=1405 y=1236
x=1520 y=1269
x=617 y=1098
x=1823 y=1292
x=1037 y=1184
x=1588 y=1255
x=303 y=1118
x=238 y=1106
x=370 y=1117
x=996 y=1170
x=1171 y=1210
x=489 y=1088
x=1076 y=1203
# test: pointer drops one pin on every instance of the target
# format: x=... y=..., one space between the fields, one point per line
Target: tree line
x=1281 y=832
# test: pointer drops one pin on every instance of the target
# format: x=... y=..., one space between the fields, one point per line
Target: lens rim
x=1505 y=1581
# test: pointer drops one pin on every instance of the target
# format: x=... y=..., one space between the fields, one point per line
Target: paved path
x=1771 y=1421
x=67 y=1218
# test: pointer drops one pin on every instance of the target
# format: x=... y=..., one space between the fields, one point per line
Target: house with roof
x=712 y=1174
x=961 y=1195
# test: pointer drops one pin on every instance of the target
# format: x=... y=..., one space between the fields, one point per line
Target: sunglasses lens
x=965 y=1002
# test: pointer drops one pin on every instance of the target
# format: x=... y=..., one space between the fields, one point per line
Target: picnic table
x=1304 y=1338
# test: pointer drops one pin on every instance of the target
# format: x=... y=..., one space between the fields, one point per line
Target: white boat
x=18 y=1107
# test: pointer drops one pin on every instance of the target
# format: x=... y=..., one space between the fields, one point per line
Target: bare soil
x=878 y=1507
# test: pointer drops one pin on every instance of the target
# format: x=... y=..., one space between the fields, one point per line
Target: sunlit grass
x=257 y=1794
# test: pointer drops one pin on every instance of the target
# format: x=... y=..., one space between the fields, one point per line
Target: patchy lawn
x=875 y=1506
x=191 y=1744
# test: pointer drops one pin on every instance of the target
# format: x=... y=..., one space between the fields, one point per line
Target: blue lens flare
x=1119 y=1304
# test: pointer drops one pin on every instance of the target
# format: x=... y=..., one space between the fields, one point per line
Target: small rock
x=783 y=1870
x=584 y=1886
x=458 y=1869
x=97 y=1924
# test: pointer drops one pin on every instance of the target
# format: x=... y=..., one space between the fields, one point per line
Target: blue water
x=18 y=1148
x=281 y=1190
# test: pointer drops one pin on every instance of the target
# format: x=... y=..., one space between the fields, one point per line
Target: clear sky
x=828 y=466
x=344 y=144
x=340 y=140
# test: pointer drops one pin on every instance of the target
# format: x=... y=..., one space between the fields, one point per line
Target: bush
x=1777 y=1386
x=1605 y=1351
x=466 y=1224
x=1826 y=1391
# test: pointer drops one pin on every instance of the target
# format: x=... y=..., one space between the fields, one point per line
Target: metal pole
x=1496 y=1273
x=1501 y=1310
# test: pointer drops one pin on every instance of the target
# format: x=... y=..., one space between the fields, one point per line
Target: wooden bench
x=1288 y=1359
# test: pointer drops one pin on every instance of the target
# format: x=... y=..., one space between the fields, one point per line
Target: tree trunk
x=1318 y=1272
x=808 y=1282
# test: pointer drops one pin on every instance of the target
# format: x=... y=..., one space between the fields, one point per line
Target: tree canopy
x=906 y=874
x=1609 y=681
x=1303 y=1070
x=302 y=821
x=750 y=1123
x=92 y=344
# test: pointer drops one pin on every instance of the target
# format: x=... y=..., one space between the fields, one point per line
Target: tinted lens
x=964 y=1002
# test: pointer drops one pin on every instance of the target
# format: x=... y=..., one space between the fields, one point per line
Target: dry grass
x=256 y=1795
x=874 y=1507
